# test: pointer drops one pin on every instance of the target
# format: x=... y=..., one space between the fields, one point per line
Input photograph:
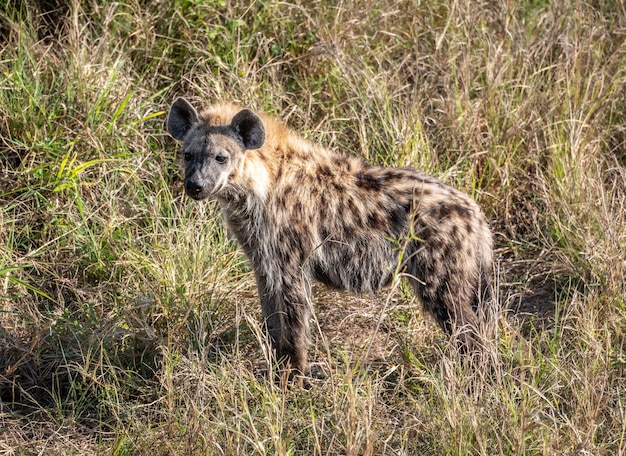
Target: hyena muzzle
x=302 y=212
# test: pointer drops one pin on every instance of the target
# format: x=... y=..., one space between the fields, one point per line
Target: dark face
x=211 y=154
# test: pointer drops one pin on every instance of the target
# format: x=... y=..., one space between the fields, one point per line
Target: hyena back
x=303 y=212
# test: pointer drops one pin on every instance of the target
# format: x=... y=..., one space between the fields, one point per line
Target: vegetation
x=129 y=322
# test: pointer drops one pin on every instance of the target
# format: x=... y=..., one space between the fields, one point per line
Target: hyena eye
x=221 y=159
x=187 y=156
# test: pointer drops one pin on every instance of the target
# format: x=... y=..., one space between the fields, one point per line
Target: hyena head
x=212 y=153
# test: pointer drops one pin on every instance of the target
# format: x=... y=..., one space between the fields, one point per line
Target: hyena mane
x=302 y=212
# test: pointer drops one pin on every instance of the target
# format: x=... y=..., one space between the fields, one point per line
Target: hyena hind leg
x=452 y=306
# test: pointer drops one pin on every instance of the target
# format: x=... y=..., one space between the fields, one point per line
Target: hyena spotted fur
x=303 y=212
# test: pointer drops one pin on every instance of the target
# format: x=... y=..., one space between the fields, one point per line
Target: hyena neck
x=243 y=201
x=244 y=212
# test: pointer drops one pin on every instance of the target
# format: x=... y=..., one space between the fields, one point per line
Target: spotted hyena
x=303 y=212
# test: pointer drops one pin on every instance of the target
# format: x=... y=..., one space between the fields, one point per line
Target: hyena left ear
x=250 y=128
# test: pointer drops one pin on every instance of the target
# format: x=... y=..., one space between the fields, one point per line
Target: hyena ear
x=250 y=128
x=181 y=118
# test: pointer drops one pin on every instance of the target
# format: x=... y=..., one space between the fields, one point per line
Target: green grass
x=129 y=323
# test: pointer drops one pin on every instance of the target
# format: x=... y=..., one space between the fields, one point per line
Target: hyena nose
x=193 y=188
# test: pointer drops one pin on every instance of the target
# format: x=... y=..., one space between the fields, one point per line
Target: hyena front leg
x=285 y=309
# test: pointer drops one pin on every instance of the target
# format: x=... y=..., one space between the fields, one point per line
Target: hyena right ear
x=181 y=118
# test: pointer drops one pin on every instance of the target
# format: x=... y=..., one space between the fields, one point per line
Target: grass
x=129 y=322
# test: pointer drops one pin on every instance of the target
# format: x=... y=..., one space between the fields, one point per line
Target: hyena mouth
x=196 y=191
x=200 y=192
x=197 y=196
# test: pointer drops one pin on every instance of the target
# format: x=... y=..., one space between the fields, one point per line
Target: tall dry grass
x=128 y=320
